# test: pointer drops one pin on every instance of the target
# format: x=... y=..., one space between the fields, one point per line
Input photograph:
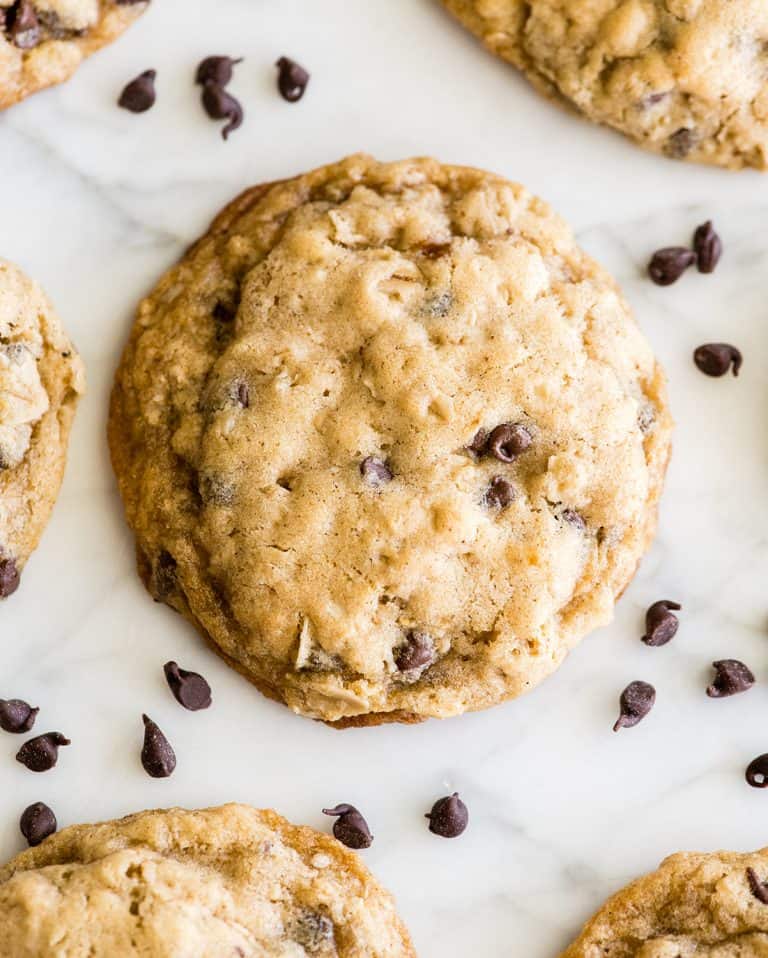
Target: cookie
x=43 y=42
x=220 y=883
x=694 y=904
x=41 y=380
x=389 y=439
x=686 y=78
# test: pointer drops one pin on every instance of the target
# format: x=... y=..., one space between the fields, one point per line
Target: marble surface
x=96 y=203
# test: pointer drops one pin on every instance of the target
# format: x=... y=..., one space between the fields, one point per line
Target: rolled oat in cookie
x=375 y=510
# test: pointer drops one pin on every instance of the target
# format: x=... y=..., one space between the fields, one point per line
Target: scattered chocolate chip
x=668 y=265
x=731 y=678
x=220 y=105
x=636 y=702
x=375 y=471
x=478 y=444
x=758 y=888
x=165 y=575
x=216 y=70
x=157 y=756
x=189 y=688
x=499 y=493
x=350 y=827
x=757 y=772
x=418 y=651
x=660 y=624
x=574 y=519
x=680 y=144
x=41 y=753
x=449 y=816
x=715 y=359
x=507 y=441
x=139 y=95
x=16 y=716
x=25 y=27
x=9 y=577
x=292 y=79
x=37 y=823
x=312 y=931
x=708 y=247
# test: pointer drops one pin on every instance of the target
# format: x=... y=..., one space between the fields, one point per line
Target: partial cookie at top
x=694 y=904
x=686 y=78
x=42 y=42
x=228 y=882
x=390 y=440
x=41 y=380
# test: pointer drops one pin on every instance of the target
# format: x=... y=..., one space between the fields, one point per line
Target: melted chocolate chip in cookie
x=375 y=471
x=680 y=144
x=758 y=888
x=499 y=493
x=24 y=25
x=417 y=652
x=313 y=931
x=507 y=441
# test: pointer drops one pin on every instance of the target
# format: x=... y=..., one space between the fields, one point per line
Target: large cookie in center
x=390 y=439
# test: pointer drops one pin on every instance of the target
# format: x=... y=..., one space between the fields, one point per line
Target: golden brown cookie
x=390 y=440
x=228 y=882
x=41 y=380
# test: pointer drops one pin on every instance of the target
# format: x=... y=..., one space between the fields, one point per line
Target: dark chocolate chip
x=216 y=70
x=478 y=444
x=757 y=772
x=449 y=816
x=165 y=575
x=157 y=756
x=220 y=105
x=139 y=95
x=189 y=688
x=292 y=79
x=312 y=931
x=41 y=753
x=25 y=27
x=435 y=250
x=758 y=888
x=715 y=359
x=9 y=577
x=660 y=624
x=668 y=265
x=350 y=827
x=574 y=519
x=375 y=471
x=243 y=395
x=680 y=144
x=708 y=247
x=418 y=651
x=37 y=823
x=636 y=702
x=731 y=678
x=499 y=493
x=16 y=716
x=507 y=441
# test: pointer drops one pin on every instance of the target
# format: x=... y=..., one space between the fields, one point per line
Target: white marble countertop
x=96 y=203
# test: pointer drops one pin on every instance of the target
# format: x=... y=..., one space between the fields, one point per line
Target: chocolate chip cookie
x=220 y=883
x=686 y=78
x=41 y=380
x=389 y=439
x=694 y=904
x=43 y=42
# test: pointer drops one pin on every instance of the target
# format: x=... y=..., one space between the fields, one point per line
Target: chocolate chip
x=41 y=753
x=25 y=27
x=350 y=827
x=507 y=441
x=139 y=95
x=499 y=493
x=680 y=144
x=449 y=816
x=660 y=624
x=375 y=471
x=189 y=688
x=731 y=678
x=715 y=359
x=435 y=250
x=37 y=823
x=220 y=105
x=292 y=79
x=636 y=702
x=757 y=772
x=668 y=265
x=157 y=756
x=574 y=519
x=9 y=577
x=478 y=444
x=418 y=651
x=243 y=395
x=758 y=888
x=216 y=70
x=165 y=575
x=708 y=247
x=16 y=716
x=312 y=931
